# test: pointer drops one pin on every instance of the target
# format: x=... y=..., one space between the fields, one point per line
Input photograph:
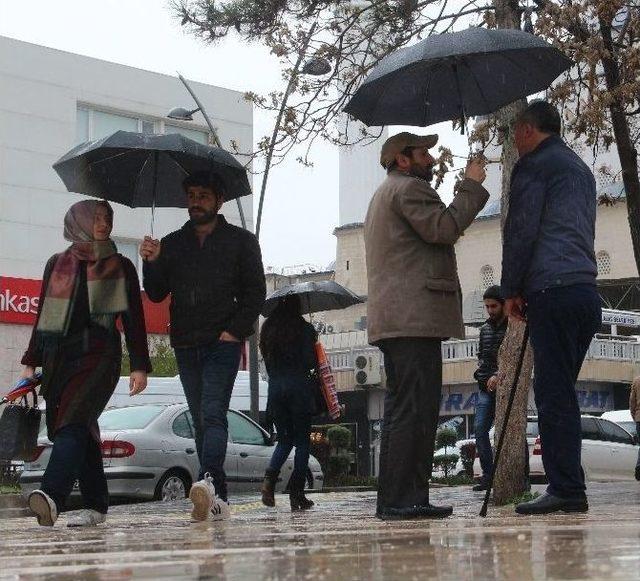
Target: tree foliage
x=599 y=97
x=351 y=36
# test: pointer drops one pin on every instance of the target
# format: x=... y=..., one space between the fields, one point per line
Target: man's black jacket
x=214 y=288
x=491 y=337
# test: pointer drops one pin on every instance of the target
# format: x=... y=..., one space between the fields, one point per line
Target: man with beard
x=413 y=304
x=491 y=337
x=213 y=271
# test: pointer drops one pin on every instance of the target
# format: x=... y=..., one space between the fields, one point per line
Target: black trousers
x=562 y=322
x=411 y=408
x=76 y=456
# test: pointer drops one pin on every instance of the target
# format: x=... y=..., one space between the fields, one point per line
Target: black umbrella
x=455 y=76
x=147 y=171
x=325 y=295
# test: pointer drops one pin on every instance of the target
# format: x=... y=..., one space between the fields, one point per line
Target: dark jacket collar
x=188 y=228
x=545 y=144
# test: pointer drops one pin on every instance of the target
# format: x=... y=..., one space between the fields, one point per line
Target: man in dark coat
x=549 y=267
x=213 y=271
x=491 y=336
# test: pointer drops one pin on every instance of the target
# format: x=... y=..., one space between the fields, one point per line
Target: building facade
x=50 y=101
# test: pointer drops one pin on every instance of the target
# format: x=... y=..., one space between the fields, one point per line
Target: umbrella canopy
x=455 y=76
x=325 y=295
x=141 y=170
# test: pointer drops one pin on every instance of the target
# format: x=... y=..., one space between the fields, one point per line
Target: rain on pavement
x=338 y=539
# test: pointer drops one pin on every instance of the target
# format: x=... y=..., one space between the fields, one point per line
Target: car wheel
x=172 y=486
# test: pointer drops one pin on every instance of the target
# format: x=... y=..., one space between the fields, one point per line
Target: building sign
x=622 y=318
x=19 y=305
x=462 y=399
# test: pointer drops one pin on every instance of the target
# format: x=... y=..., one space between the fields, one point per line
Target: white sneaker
x=86 y=518
x=220 y=509
x=43 y=506
x=202 y=494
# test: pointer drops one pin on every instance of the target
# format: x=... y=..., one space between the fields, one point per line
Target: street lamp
x=316 y=66
x=182 y=114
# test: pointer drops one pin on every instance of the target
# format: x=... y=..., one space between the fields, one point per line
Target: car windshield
x=532 y=429
x=129 y=418
x=629 y=426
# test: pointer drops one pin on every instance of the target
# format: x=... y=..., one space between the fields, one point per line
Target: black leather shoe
x=638 y=472
x=548 y=503
x=421 y=511
x=480 y=487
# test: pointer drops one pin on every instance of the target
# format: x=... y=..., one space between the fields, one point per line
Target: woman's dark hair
x=283 y=328
x=205 y=179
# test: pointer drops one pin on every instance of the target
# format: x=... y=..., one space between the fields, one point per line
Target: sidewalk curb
x=14 y=513
x=341 y=489
x=12 y=501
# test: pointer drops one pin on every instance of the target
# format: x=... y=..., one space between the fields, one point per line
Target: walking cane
x=512 y=396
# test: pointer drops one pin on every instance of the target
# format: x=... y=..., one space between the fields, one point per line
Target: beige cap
x=395 y=144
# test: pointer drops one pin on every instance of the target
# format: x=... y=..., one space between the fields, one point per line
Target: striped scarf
x=106 y=283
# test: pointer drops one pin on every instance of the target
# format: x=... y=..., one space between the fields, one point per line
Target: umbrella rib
x=87 y=169
x=105 y=159
x=475 y=80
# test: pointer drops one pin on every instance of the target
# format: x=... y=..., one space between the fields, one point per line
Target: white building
x=50 y=101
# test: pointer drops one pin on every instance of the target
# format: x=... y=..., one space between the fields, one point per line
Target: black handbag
x=19 y=427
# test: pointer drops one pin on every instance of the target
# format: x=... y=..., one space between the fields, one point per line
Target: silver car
x=149 y=452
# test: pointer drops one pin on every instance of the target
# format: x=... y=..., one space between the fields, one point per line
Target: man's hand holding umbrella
x=150 y=249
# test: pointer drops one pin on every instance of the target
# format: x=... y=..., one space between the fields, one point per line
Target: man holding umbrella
x=213 y=271
x=414 y=303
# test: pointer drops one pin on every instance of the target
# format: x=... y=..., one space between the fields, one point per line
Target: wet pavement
x=339 y=539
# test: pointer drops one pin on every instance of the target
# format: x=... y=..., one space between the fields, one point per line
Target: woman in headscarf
x=287 y=343
x=85 y=289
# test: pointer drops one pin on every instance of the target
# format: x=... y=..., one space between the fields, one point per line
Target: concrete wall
x=40 y=90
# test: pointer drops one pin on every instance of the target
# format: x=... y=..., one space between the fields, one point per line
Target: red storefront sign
x=19 y=299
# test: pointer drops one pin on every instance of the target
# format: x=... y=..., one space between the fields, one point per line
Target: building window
x=195 y=134
x=603 y=260
x=92 y=123
x=486 y=276
x=347 y=265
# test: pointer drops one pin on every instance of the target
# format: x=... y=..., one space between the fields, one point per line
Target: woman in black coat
x=287 y=343
x=86 y=290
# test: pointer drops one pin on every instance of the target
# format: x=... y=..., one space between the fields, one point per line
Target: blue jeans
x=485 y=416
x=76 y=456
x=208 y=373
x=562 y=322
x=290 y=405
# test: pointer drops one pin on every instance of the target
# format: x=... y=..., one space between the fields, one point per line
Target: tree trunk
x=509 y=477
x=626 y=151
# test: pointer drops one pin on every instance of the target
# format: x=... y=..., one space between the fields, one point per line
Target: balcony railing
x=467 y=350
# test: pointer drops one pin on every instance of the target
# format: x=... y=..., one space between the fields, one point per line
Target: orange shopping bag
x=327 y=383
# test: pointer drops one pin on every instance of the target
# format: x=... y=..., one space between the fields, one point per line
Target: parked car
x=621 y=417
x=609 y=452
x=149 y=452
x=532 y=434
x=458 y=468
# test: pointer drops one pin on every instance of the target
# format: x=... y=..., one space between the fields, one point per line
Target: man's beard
x=420 y=172
x=497 y=317
x=202 y=218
